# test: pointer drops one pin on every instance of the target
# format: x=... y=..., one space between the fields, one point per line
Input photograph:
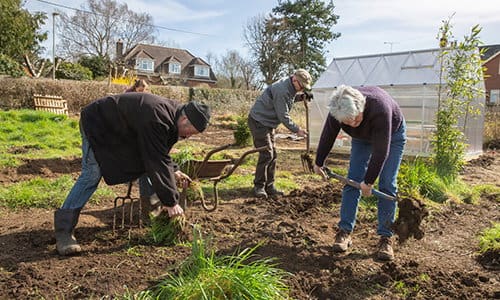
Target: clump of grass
x=203 y=275
x=489 y=239
x=167 y=231
x=194 y=192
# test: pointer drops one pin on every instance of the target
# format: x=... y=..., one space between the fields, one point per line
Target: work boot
x=65 y=221
x=385 y=251
x=342 y=241
x=273 y=192
x=259 y=192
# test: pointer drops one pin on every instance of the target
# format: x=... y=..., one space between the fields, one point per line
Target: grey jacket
x=273 y=106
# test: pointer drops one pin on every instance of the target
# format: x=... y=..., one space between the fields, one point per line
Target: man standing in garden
x=271 y=109
x=124 y=137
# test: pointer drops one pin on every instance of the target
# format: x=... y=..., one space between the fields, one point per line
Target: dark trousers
x=266 y=165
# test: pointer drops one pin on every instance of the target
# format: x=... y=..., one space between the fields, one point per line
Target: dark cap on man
x=198 y=114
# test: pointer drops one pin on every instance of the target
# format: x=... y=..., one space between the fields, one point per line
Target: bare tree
x=268 y=46
x=95 y=28
x=230 y=67
x=249 y=74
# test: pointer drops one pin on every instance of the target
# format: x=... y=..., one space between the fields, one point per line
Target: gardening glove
x=319 y=170
x=366 y=189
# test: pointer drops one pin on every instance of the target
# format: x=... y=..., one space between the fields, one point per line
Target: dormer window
x=201 y=71
x=145 y=64
x=174 y=68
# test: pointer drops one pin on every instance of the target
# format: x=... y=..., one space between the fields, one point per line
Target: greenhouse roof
x=401 y=68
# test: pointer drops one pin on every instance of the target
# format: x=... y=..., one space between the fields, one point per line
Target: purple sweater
x=381 y=118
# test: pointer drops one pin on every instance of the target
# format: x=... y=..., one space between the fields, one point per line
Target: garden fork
x=120 y=202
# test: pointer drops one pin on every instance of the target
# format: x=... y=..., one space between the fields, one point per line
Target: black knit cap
x=198 y=114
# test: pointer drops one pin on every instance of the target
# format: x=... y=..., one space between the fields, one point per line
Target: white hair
x=346 y=103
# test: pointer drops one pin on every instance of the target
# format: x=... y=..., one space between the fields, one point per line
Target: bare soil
x=298 y=230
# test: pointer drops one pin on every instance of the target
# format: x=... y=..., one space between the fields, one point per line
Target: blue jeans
x=89 y=179
x=361 y=151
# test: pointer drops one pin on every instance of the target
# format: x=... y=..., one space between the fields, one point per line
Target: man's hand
x=302 y=133
x=366 y=189
x=182 y=179
x=318 y=170
x=174 y=210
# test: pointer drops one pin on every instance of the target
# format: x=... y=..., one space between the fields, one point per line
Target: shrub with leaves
x=462 y=71
x=8 y=66
x=73 y=71
x=242 y=135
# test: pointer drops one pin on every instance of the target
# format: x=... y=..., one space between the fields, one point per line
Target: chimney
x=119 y=49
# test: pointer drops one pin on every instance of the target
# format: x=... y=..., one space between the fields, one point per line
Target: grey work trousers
x=266 y=164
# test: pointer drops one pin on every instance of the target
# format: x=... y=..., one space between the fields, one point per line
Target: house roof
x=162 y=54
x=491 y=50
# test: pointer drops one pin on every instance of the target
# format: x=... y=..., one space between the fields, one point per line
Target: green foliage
x=490 y=239
x=165 y=230
x=10 y=67
x=43 y=193
x=20 y=30
x=242 y=135
x=203 y=275
x=461 y=68
x=97 y=64
x=67 y=70
x=419 y=179
x=29 y=134
x=309 y=23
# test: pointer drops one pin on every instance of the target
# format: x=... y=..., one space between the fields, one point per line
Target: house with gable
x=165 y=66
x=491 y=58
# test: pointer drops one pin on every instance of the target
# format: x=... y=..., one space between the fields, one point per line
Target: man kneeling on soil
x=124 y=137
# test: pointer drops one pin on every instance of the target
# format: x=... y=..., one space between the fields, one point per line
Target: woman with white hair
x=377 y=127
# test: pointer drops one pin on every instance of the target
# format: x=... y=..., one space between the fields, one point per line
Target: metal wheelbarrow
x=215 y=171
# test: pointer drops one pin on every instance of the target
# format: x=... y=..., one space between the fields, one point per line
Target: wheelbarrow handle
x=356 y=184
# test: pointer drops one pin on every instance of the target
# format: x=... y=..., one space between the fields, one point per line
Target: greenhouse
x=412 y=78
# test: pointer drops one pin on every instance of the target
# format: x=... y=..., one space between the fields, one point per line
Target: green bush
x=97 y=64
x=10 y=67
x=67 y=70
x=242 y=135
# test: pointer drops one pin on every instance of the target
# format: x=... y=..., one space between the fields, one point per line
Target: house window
x=495 y=97
x=201 y=71
x=174 y=68
x=144 y=65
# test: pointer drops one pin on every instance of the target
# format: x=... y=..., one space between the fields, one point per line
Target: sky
x=366 y=26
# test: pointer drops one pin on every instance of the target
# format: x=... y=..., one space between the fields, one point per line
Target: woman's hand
x=318 y=170
x=366 y=189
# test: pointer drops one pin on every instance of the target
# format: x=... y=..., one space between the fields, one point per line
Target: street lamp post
x=54 y=14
